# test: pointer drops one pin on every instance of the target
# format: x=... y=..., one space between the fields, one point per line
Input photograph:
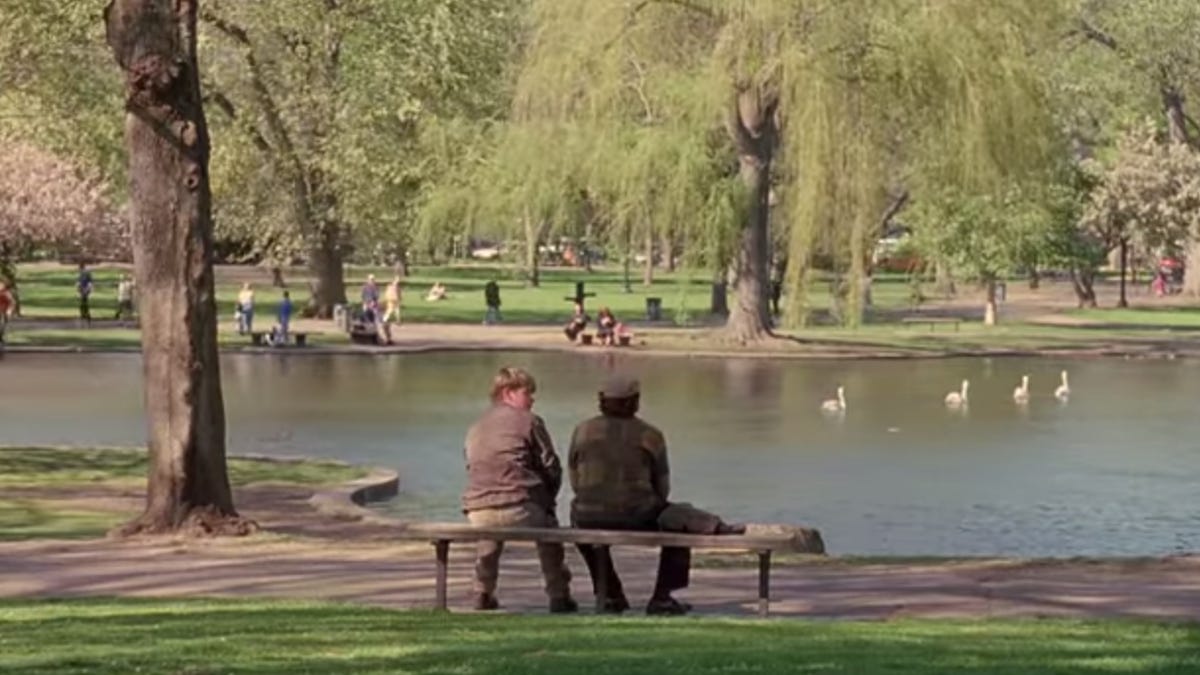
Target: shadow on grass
x=115 y=636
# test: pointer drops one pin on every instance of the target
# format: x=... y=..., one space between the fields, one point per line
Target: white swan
x=1021 y=393
x=835 y=405
x=1064 y=390
x=958 y=399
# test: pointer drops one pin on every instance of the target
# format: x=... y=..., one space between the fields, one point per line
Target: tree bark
x=668 y=251
x=326 y=265
x=943 y=281
x=533 y=239
x=989 y=308
x=1124 y=248
x=750 y=123
x=1191 y=270
x=166 y=135
x=648 y=268
x=1084 y=283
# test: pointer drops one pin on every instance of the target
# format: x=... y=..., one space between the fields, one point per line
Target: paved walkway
x=402 y=576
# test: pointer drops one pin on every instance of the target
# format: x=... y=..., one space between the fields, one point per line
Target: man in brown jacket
x=513 y=478
x=622 y=480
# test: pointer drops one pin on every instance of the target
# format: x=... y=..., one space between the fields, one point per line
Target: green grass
x=255 y=636
x=50 y=293
x=22 y=519
x=67 y=467
x=1187 y=318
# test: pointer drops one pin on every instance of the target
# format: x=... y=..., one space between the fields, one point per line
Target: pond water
x=1114 y=472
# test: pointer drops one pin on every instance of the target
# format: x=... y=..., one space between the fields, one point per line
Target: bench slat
x=566 y=535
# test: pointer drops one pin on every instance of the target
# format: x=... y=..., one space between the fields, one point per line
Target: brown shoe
x=563 y=606
x=486 y=602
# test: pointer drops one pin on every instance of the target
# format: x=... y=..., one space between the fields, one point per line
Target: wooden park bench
x=441 y=535
x=932 y=321
x=259 y=338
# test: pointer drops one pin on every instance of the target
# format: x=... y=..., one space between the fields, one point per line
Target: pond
x=1114 y=472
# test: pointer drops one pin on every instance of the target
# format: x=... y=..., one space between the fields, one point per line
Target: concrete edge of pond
x=345 y=502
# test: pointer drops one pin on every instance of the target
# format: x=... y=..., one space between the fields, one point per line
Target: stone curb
x=345 y=502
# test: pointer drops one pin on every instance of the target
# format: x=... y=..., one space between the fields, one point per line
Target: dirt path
x=324 y=557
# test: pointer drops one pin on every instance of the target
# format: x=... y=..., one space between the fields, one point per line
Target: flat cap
x=620 y=385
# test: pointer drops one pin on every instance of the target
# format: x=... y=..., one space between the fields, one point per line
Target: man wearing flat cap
x=619 y=471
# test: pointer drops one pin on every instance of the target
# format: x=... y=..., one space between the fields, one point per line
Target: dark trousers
x=85 y=310
x=674 y=563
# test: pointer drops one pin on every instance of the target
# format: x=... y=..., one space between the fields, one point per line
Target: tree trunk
x=943 y=281
x=1177 y=123
x=1191 y=270
x=1124 y=248
x=1035 y=279
x=533 y=239
x=1084 y=283
x=751 y=125
x=648 y=268
x=328 y=270
x=400 y=264
x=154 y=42
x=989 y=309
x=719 y=302
x=277 y=277
x=668 y=251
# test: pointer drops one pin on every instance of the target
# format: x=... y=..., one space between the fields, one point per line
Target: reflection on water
x=1112 y=472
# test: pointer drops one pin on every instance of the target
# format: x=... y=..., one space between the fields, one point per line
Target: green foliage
x=331 y=111
x=996 y=234
x=115 y=636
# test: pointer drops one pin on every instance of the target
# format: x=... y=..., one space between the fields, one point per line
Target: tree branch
x=271 y=111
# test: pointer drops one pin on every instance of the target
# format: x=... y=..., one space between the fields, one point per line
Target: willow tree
x=834 y=106
x=166 y=135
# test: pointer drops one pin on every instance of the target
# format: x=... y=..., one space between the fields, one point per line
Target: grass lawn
x=255 y=636
x=1185 y=318
x=50 y=292
x=55 y=472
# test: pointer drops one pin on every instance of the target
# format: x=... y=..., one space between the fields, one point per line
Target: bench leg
x=764 y=583
x=442 y=548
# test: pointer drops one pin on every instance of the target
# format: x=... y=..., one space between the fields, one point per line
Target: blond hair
x=509 y=378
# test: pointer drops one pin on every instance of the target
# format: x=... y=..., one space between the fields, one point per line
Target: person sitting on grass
x=436 y=292
x=579 y=321
x=606 y=325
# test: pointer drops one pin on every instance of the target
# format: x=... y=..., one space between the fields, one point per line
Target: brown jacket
x=510 y=460
x=618 y=468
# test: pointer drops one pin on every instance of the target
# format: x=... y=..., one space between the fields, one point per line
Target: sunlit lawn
x=56 y=474
x=262 y=636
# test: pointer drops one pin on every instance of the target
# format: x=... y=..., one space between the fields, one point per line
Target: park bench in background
x=933 y=321
x=762 y=540
x=258 y=338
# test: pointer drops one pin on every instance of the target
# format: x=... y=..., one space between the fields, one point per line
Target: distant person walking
x=370 y=300
x=285 y=318
x=83 y=286
x=124 y=299
x=491 y=295
x=8 y=305
x=245 y=309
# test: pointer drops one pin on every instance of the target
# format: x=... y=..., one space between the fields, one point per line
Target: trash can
x=341 y=317
x=654 y=309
